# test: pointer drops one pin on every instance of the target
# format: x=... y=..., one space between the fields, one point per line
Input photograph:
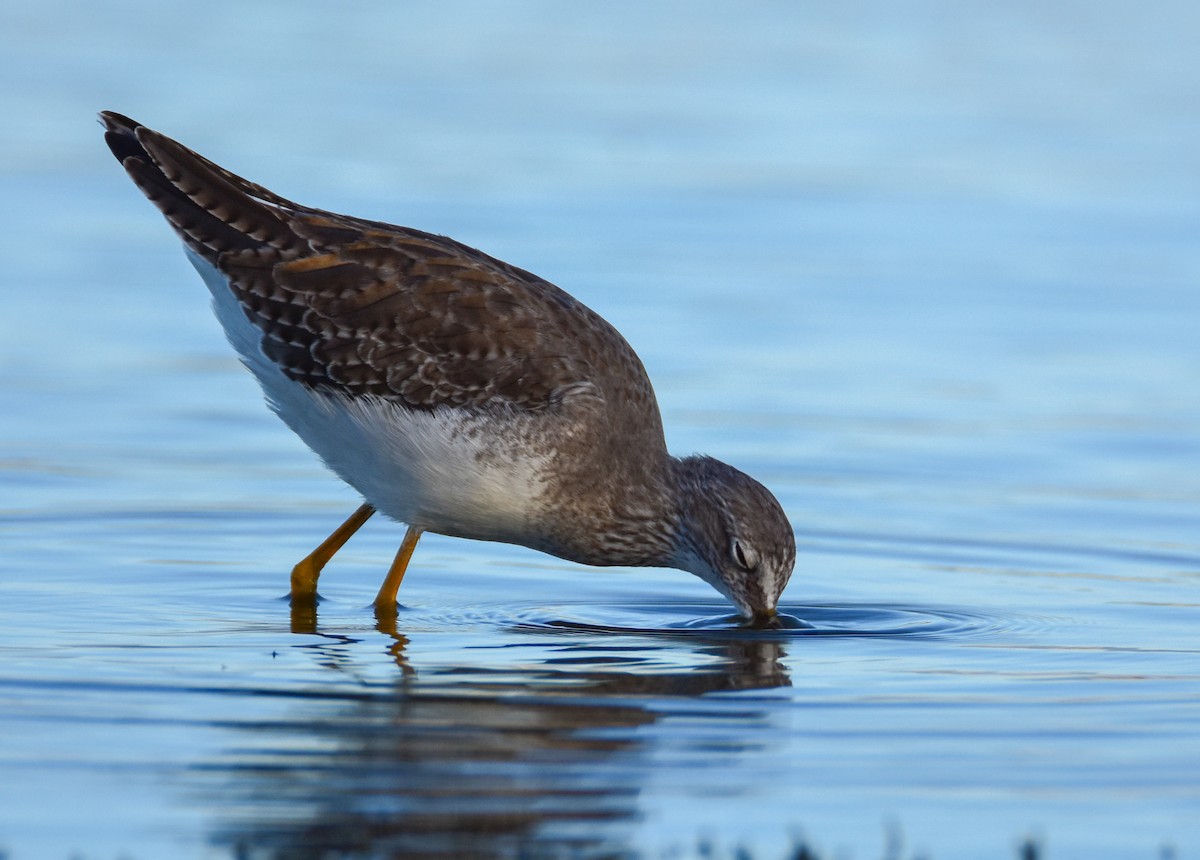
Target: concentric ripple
x=793 y=621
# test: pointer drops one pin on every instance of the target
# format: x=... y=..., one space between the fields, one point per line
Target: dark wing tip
x=114 y=121
x=212 y=210
x=120 y=133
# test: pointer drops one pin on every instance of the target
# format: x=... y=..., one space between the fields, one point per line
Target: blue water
x=928 y=270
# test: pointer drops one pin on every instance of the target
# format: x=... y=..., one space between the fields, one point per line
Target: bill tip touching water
x=456 y=393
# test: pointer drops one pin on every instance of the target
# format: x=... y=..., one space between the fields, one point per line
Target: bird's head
x=734 y=535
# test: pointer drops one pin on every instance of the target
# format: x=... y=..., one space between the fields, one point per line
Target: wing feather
x=367 y=308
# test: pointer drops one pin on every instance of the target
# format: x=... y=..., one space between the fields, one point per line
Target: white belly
x=429 y=469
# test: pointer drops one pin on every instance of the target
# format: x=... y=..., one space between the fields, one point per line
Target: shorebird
x=456 y=393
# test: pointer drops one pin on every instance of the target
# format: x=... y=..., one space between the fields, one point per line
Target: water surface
x=928 y=272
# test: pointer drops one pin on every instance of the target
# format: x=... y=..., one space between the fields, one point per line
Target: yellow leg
x=386 y=599
x=304 y=574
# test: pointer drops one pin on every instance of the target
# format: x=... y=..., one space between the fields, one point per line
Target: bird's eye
x=744 y=555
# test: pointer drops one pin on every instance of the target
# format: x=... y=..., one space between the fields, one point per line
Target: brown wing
x=370 y=308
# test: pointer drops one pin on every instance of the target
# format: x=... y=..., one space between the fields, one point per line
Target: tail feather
x=213 y=211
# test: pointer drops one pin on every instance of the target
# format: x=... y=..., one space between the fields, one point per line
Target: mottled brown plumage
x=385 y=323
x=370 y=308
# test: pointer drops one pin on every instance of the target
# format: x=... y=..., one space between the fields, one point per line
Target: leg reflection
x=385 y=623
x=304 y=616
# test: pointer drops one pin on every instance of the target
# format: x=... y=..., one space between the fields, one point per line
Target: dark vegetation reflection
x=545 y=760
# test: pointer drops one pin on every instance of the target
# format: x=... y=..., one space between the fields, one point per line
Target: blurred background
x=927 y=269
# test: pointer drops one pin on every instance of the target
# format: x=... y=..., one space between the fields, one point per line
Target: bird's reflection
x=543 y=759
